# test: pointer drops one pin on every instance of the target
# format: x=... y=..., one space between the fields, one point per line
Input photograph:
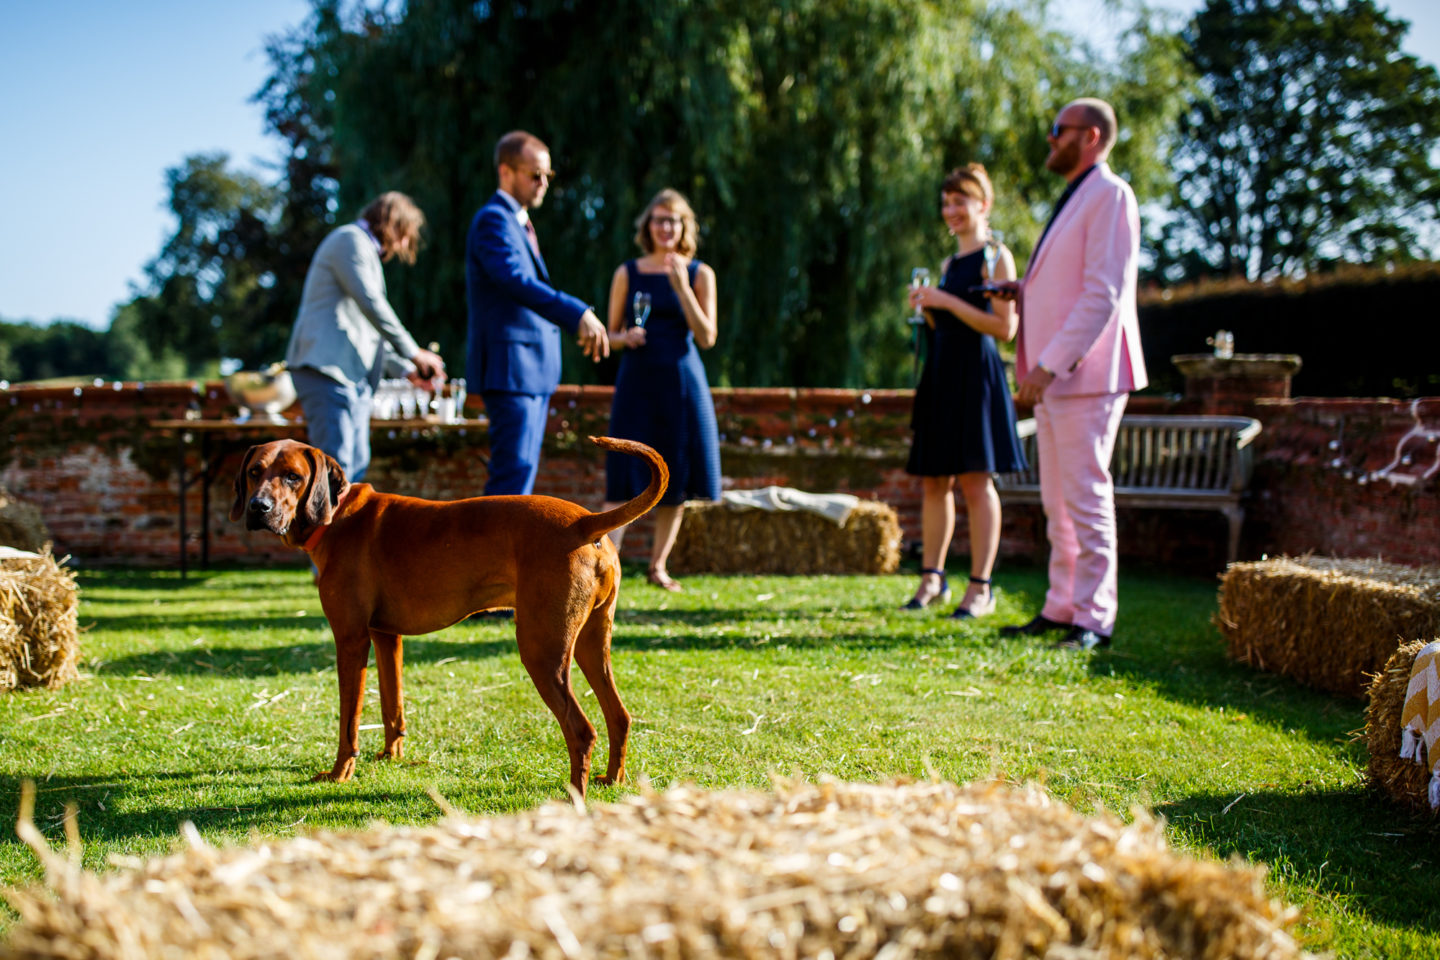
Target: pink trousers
x=1075 y=437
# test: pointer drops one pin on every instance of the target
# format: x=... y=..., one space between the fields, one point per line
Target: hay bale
x=21 y=526
x=841 y=870
x=1329 y=623
x=39 y=639
x=1404 y=780
x=720 y=538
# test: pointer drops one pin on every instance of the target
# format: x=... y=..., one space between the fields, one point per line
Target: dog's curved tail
x=596 y=525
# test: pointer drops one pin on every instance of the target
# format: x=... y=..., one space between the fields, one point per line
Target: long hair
x=689 y=231
x=392 y=217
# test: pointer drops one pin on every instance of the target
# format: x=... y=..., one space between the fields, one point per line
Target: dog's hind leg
x=592 y=653
x=545 y=644
x=389 y=666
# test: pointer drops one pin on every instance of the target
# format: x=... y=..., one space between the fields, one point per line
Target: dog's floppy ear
x=327 y=486
x=242 y=485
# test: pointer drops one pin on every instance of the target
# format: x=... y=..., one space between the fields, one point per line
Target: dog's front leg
x=389 y=665
x=352 y=651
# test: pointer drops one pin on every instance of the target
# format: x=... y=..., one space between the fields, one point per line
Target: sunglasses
x=538 y=175
x=667 y=221
x=1057 y=130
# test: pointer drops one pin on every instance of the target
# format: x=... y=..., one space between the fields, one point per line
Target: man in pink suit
x=1077 y=360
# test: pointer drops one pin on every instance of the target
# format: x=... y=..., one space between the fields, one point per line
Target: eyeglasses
x=1057 y=129
x=667 y=221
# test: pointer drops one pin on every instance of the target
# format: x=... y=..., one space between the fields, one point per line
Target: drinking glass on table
x=640 y=308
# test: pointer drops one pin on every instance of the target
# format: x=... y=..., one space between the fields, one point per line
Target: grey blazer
x=345 y=323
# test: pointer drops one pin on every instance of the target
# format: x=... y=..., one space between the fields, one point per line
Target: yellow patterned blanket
x=1420 y=719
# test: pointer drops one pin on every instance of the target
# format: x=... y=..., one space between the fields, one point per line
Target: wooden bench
x=1169 y=462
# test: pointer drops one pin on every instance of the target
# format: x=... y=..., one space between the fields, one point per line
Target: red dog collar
x=319 y=531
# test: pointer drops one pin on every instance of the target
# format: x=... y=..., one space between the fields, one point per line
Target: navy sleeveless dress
x=964 y=418
x=662 y=398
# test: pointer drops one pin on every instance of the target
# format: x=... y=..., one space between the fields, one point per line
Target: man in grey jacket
x=347 y=335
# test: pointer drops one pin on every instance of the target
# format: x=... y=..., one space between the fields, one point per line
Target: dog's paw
x=340 y=773
x=396 y=751
x=607 y=781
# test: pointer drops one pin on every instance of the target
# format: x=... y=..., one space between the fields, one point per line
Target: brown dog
x=378 y=580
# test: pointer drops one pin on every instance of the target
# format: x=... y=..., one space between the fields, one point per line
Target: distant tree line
x=811 y=136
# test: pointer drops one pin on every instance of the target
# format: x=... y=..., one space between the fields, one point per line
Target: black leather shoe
x=1082 y=638
x=1041 y=624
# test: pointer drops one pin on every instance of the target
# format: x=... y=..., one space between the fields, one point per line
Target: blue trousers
x=517 y=431
x=337 y=418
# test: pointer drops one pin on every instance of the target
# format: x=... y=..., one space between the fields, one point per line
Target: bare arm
x=616 y=313
x=1001 y=324
x=698 y=303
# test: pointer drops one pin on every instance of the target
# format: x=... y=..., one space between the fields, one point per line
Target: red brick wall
x=1316 y=484
x=104 y=479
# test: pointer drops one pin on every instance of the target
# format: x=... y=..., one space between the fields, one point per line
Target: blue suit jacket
x=515 y=315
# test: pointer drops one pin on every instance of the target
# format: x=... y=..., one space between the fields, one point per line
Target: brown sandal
x=663 y=580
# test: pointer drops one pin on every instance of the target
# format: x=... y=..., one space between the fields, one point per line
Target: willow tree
x=810 y=136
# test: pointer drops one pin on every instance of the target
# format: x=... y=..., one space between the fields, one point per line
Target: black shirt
x=1070 y=189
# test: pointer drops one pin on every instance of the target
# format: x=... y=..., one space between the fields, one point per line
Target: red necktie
x=530 y=235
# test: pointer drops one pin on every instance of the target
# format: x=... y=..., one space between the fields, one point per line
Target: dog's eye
x=293 y=479
x=256 y=471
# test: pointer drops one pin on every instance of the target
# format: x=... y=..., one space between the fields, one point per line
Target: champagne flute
x=919 y=277
x=992 y=253
x=640 y=307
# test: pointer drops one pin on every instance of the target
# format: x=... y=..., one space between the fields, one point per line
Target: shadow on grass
x=266 y=800
x=294 y=658
x=129 y=578
x=123 y=807
x=1353 y=847
x=1203 y=681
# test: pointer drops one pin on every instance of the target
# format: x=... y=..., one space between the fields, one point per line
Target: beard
x=1064 y=160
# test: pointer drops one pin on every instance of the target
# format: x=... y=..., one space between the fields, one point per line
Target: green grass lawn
x=214 y=701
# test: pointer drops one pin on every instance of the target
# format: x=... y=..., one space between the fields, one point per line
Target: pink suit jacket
x=1077 y=301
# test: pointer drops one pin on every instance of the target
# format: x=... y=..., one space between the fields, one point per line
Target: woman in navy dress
x=964 y=420
x=661 y=395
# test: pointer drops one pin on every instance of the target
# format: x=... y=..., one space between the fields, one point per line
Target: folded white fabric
x=10 y=553
x=1420 y=717
x=835 y=507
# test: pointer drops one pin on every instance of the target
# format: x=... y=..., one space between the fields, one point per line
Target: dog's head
x=288 y=488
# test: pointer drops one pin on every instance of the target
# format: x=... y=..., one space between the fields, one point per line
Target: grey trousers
x=337 y=417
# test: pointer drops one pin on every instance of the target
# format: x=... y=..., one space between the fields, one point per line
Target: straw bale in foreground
x=716 y=538
x=21 y=526
x=828 y=870
x=39 y=639
x=1329 y=623
x=1405 y=781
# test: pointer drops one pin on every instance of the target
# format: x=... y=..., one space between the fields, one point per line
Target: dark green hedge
x=1362 y=334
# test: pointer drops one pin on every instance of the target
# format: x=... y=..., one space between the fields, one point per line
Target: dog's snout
x=261 y=504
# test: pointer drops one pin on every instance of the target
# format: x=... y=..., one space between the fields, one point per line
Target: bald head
x=1097 y=113
x=1082 y=136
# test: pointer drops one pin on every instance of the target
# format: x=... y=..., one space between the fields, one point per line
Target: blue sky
x=101 y=97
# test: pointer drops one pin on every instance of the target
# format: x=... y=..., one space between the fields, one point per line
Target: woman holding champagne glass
x=662 y=308
x=963 y=419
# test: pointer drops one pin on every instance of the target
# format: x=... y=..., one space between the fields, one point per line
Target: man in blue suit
x=516 y=315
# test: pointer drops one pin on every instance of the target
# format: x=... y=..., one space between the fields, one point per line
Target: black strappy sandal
x=915 y=603
x=966 y=613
